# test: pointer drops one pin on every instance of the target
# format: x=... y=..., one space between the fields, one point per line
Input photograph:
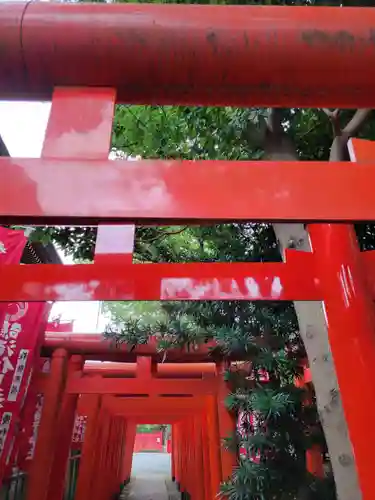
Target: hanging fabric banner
x=19 y=343
x=12 y=245
x=31 y=414
x=21 y=327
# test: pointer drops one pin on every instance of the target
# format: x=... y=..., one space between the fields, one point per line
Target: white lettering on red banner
x=18 y=374
x=79 y=429
x=8 y=342
x=9 y=334
x=36 y=422
x=4 y=428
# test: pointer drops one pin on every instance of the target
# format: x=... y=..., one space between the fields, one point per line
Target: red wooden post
x=189 y=458
x=209 y=495
x=198 y=464
x=314 y=455
x=314 y=461
x=183 y=466
x=115 y=440
x=42 y=464
x=173 y=452
x=62 y=444
x=351 y=326
x=130 y=432
x=120 y=452
x=214 y=444
x=227 y=425
x=100 y=482
x=177 y=452
x=88 y=449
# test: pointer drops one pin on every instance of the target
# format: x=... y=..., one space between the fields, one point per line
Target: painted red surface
x=293 y=280
x=150 y=192
x=148 y=441
x=210 y=54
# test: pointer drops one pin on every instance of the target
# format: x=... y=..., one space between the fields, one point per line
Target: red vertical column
x=182 y=440
x=314 y=461
x=64 y=437
x=92 y=407
x=214 y=444
x=41 y=466
x=120 y=450
x=176 y=452
x=351 y=329
x=206 y=459
x=173 y=454
x=100 y=483
x=314 y=455
x=198 y=464
x=130 y=432
x=227 y=425
x=189 y=458
x=114 y=441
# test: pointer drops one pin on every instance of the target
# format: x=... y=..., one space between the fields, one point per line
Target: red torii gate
x=209 y=55
x=182 y=400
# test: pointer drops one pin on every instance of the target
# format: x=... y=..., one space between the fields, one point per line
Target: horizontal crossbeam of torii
x=191 y=54
x=162 y=370
x=176 y=387
x=94 y=347
x=80 y=192
x=293 y=280
x=133 y=406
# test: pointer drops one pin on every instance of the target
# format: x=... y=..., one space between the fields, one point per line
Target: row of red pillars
x=199 y=424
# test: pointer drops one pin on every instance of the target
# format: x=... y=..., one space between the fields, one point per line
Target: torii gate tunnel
x=88 y=57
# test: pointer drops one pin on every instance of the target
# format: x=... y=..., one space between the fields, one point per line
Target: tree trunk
x=311 y=319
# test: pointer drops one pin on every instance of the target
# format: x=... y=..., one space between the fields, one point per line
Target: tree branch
x=274 y=120
x=334 y=119
x=163 y=234
x=331 y=114
x=356 y=123
x=339 y=148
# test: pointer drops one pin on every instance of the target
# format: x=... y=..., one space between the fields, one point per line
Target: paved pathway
x=149 y=475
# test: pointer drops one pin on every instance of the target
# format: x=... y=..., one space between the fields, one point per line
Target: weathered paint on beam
x=88 y=385
x=69 y=192
x=96 y=347
x=154 y=405
x=293 y=280
x=191 y=54
x=163 y=370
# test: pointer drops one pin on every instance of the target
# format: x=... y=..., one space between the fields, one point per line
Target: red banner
x=21 y=327
x=19 y=343
x=12 y=245
x=31 y=415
